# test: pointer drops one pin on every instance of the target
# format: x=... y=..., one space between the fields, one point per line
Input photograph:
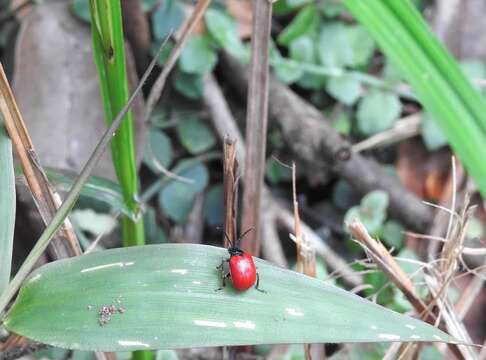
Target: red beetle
x=242 y=270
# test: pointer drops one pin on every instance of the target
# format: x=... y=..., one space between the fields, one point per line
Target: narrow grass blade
x=109 y=54
x=168 y=297
x=435 y=77
x=7 y=207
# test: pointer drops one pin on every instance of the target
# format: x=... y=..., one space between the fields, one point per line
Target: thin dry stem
x=230 y=186
x=402 y=129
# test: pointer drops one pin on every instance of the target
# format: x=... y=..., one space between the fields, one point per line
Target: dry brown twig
x=230 y=186
x=380 y=255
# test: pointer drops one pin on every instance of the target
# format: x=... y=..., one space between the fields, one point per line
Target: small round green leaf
x=288 y=72
x=346 y=89
x=433 y=136
x=214 y=205
x=393 y=234
x=362 y=45
x=197 y=57
x=176 y=198
x=189 y=85
x=160 y=147
x=195 y=135
x=168 y=17
x=377 y=111
x=305 y=23
x=222 y=28
x=81 y=9
x=302 y=49
x=334 y=47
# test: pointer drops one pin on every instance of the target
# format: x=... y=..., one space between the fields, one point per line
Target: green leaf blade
x=168 y=294
x=7 y=207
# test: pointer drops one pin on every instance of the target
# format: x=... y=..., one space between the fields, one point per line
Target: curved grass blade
x=435 y=77
x=7 y=207
x=168 y=300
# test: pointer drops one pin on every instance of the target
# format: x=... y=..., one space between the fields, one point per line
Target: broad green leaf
x=158 y=146
x=7 y=206
x=213 y=206
x=302 y=49
x=81 y=9
x=197 y=57
x=223 y=29
x=346 y=88
x=189 y=85
x=176 y=198
x=432 y=134
x=377 y=111
x=169 y=301
x=168 y=17
x=305 y=23
x=195 y=135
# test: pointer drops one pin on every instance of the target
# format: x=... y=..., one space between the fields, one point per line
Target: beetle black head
x=234 y=251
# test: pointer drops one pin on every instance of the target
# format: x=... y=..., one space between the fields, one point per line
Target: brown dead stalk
x=47 y=201
x=230 y=186
x=306 y=263
x=256 y=125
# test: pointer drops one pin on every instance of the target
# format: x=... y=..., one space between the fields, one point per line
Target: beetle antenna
x=245 y=233
x=227 y=238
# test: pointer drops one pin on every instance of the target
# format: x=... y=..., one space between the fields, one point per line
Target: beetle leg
x=258 y=284
x=220 y=266
x=224 y=277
